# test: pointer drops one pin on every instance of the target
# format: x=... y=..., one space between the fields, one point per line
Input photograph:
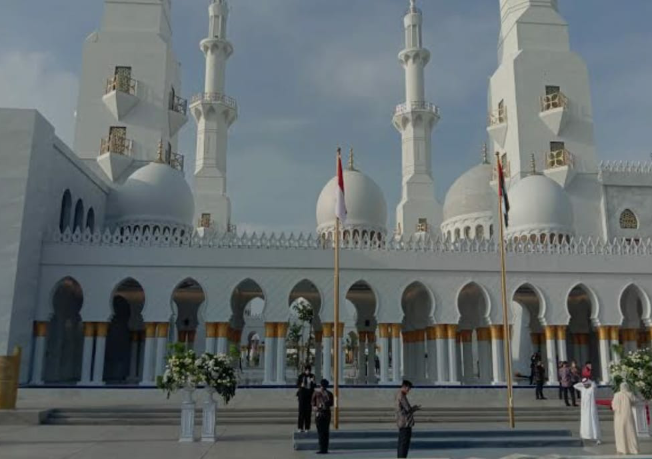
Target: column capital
x=451 y=331
x=550 y=332
x=211 y=329
x=150 y=329
x=497 y=332
x=162 y=329
x=384 y=330
x=614 y=333
x=466 y=336
x=328 y=329
x=281 y=329
x=222 y=330
x=396 y=330
x=340 y=330
x=89 y=329
x=561 y=332
x=270 y=330
x=441 y=331
x=483 y=334
x=102 y=329
x=604 y=332
x=419 y=336
x=40 y=329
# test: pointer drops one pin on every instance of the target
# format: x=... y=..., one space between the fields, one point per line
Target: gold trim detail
x=150 y=330
x=483 y=334
x=40 y=329
x=102 y=329
x=497 y=332
x=328 y=329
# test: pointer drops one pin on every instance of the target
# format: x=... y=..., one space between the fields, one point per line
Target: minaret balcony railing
x=179 y=105
x=212 y=97
x=553 y=101
x=166 y=156
x=116 y=145
x=421 y=106
x=121 y=83
x=559 y=158
x=422 y=228
x=496 y=117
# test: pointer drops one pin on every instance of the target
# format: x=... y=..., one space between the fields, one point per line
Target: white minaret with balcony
x=129 y=111
x=415 y=119
x=539 y=97
x=214 y=113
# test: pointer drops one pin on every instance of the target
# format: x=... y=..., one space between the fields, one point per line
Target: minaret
x=415 y=120
x=214 y=112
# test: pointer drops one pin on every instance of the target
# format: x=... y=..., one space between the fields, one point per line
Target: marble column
x=281 y=352
x=327 y=341
x=431 y=344
x=383 y=344
x=318 y=356
x=466 y=341
x=441 y=333
x=211 y=335
x=604 y=339
x=340 y=337
x=630 y=339
x=222 y=337
x=406 y=354
x=38 y=362
x=87 y=354
x=485 y=360
x=371 y=358
x=498 y=354
x=396 y=353
x=270 y=353
x=133 y=358
x=162 y=331
x=419 y=355
x=451 y=338
x=562 y=350
x=551 y=354
x=149 y=356
x=614 y=334
x=101 y=332
x=362 y=338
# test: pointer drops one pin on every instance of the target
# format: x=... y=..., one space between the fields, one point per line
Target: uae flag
x=340 y=204
x=502 y=192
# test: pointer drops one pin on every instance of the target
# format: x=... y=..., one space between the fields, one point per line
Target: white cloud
x=34 y=80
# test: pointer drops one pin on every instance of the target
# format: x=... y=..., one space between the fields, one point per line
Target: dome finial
x=351 y=168
x=533 y=165
x=485 y=154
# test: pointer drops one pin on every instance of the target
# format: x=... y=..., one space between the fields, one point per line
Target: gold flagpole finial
x=351 y=168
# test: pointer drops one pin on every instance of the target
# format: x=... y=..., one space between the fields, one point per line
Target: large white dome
x=539 y=205
x=365 y=204
x=154 y=194
x=471 y=193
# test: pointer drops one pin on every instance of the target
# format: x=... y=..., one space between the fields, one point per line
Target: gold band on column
x=561 y=333
x=451 y=331
x=604 y=333
x=396 y=330
x=281 y=329
x=211 y=329
x=497 y=332
x=441 y=331
x=362 y=337
x=614 y=333
x=466 y=336
x=340 y=330
x=150 y=330
x=101 y=329
x=318 y=336
x=40 y=329
x=162 y=329
x=222 y=330
x=328 y=329
x=89 y=329
x=419 y=336
x=550 y=331
x=483 y=334
x=270 y=329
x=383 y=330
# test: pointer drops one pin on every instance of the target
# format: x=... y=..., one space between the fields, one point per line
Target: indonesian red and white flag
x=502 y=192
x=340 y=204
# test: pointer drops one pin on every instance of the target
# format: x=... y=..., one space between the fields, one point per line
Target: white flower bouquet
x=635 y=369
x=217 y=372
x=181 y=370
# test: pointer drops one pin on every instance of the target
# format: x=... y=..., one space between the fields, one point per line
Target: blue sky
x=313 y=74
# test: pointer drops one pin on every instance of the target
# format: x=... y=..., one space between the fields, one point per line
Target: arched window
x=79 y=215
x=457 y=234
x=90 y=219
x=628 y=220
x=479 y=232
x=467 y=232
x=66 y=207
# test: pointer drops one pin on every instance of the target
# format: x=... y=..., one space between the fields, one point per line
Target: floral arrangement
x=635 y=369
x=217 y=372
x=181 y=370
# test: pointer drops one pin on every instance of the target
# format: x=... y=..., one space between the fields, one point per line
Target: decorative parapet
x=124 y=237
x=421 y=106
x=216 y=97
x=626 y=173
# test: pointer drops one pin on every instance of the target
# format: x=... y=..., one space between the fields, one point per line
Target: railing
x=422 y=227
x=417 y=106
x=205 y=221
x=559 y=158
x=216 y=97
x=179 y=105
x=498 y=116
x=116 y=145
x=166 y=156
x=121 y=84
x=553 y=101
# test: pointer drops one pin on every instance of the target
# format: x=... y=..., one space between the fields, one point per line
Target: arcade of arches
x=128 y=350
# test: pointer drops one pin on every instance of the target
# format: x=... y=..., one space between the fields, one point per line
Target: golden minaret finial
x=351 y=168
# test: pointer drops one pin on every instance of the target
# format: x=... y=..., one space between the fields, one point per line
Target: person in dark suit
x=305 y=389
x=404 y=419
x=539 y=379
x=322 y=401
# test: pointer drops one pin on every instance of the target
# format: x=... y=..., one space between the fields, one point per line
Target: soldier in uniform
x=305 y=389
x=322 y=401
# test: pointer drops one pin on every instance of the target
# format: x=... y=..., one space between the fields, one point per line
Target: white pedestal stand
x=187 y=416
x=208 y=417
x=640 y=419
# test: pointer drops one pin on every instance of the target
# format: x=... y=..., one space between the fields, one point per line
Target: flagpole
x=503 y=285
x=336 y=311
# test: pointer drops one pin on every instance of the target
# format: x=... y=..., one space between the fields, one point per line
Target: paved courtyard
x=235 y=442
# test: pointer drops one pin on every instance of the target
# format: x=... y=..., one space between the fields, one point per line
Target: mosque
x=108 y=254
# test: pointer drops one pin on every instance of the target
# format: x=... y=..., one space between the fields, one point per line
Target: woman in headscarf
x=624 y=426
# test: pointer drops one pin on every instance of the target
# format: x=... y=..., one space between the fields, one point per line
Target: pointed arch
x=307 y=290
x=473 y=304
x=90 y=220
x=78 y=221
x=418 y=305
x=65 y=211
x=628 y=219
x=634 y=305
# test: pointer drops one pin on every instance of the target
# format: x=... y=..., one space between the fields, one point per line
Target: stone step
x=432 y=434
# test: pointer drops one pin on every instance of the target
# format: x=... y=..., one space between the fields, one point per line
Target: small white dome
x=154 y=194
x=471 y=193
x=365 y=204
x=539 y=205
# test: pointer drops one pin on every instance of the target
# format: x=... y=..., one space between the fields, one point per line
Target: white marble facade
x=109 y=255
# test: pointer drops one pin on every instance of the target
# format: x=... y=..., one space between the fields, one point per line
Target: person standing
x=539 y=379
x=590 y=422
x=566 y=381
x=587 y=371
x=576 y=376
x=305 y=389
x=534 y=359
x=624 y=425
x=322 y=401
x=404 y=419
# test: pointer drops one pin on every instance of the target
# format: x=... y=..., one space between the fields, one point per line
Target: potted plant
x=219 y=377
x=181 y=373
x=635 y=369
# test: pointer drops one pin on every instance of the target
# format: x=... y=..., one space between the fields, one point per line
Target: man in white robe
x=590 y=423
x=624 y=426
